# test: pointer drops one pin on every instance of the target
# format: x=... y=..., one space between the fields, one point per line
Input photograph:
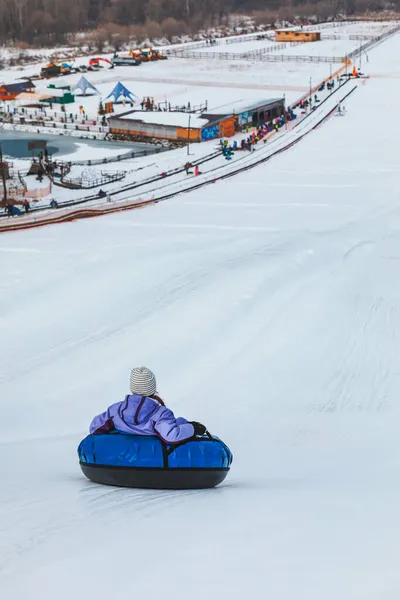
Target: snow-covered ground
x=238 y=48
x=329 y=48
x=186 y=80
x=269 y=307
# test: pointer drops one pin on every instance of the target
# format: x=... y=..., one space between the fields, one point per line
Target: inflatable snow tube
x=146 y=462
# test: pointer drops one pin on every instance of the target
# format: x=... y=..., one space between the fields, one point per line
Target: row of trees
x=50 y=22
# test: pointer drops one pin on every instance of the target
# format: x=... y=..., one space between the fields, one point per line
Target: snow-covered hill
x=269 y=307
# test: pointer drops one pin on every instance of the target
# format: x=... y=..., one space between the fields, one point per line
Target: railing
x=111 y=159
x=301 y=58
x=257 y=35
x=85 y=183
x=329 y=25
x=344 y=36
x=268 y=49
x=374 y=42
x=22 y=180
x=268 y=57
x=268 y=54
x=166 y=106
x=38 y=193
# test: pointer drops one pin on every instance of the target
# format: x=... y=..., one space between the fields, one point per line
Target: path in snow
x=220 y=84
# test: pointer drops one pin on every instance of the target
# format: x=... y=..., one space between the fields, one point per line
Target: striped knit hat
x=143 y=381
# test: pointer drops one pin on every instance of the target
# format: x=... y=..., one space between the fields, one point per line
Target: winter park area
x=246 y=249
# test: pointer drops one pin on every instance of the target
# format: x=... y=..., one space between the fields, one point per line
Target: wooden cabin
x=12 y=90
x=297 y=35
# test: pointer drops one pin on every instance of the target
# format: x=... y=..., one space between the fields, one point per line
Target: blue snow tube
x=146 y=462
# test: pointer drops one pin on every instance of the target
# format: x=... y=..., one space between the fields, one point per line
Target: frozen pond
x=15 y=145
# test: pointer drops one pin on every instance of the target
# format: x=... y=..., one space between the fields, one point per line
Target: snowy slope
x=269 y=307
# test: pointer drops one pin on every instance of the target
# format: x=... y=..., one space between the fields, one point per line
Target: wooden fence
x=268 y=54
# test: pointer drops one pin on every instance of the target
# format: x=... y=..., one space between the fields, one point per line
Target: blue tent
x=121 y=90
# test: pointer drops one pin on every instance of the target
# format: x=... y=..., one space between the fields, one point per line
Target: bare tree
x=153 y=30
x=171 y=27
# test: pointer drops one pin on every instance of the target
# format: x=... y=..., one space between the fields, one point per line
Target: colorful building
x=59 y=95
x=11 y=91
x=183 y=126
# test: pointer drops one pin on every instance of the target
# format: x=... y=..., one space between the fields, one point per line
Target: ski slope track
x=268 y=304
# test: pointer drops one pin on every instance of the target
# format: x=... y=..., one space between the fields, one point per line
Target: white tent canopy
x=84 y=85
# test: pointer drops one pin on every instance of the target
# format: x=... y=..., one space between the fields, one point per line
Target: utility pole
x=3 y=176
x=284 y=110
x=188 y=143
x=310 y=92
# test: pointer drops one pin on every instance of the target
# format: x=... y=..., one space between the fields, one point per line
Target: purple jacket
x=139 y=415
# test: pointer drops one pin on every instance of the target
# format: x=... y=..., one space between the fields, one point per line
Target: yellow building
x=293 y=35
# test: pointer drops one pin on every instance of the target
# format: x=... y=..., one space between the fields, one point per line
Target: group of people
x=187 y=166
x=148 y=104
x=13 y=210
x=103 y=194
x=261 y=132
x=308 y=102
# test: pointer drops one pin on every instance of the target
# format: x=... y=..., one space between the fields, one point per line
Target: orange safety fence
x=346 y=63
x=37 y=193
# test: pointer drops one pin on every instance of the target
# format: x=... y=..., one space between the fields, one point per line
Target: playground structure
x=17 y=191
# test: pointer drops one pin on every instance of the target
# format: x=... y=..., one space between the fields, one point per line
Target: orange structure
x=292 y=35
x=11 y=91
x=221 y=122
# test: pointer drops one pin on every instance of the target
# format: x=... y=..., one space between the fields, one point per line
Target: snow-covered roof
x=52 y=92
x=174 y=119
x=241 y=106
x=294 y=28
x=32 y=98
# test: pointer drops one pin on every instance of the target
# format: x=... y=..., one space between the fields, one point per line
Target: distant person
x=143 y=412
x=187 y=168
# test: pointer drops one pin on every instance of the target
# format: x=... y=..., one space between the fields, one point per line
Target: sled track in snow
x=84 y=213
